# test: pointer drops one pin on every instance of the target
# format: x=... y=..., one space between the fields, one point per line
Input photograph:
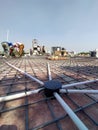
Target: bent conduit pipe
x=24 y=73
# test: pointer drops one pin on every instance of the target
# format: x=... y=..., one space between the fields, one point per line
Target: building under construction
x=60 y=95
x=59 y=51
x=37 y=49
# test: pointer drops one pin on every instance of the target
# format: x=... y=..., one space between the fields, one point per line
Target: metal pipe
x=19 y=95
x=69 y=111
x=49 y=72
x=78 y=91
x=24 y=73
x=79 y=83
x=50 y=78
x=72 y=115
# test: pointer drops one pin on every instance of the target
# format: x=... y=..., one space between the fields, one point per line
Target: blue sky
x=72 y=24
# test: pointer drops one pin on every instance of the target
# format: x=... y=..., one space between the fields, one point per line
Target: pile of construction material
x=58 y=53
x=56 y=58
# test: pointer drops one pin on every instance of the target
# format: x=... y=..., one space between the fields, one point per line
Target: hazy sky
x=72 y=24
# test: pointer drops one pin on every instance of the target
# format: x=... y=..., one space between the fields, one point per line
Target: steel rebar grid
x=9 y=89
x=79 y=83
x=88 y=63
x=69 y=111
x=11 y=97
x=82 y=108
x=71 y=114
x=45 y=99
x=26 y=74
x=36 y=91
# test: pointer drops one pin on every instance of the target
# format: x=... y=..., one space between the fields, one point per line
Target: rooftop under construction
x=27 y=102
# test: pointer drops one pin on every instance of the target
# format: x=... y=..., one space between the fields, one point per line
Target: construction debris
x=56 y=58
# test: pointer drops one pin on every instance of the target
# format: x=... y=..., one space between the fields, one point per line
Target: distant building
x=37 y=49
x=57 y=48
x=34 y=45
x=94 y=53
x=58 y=51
